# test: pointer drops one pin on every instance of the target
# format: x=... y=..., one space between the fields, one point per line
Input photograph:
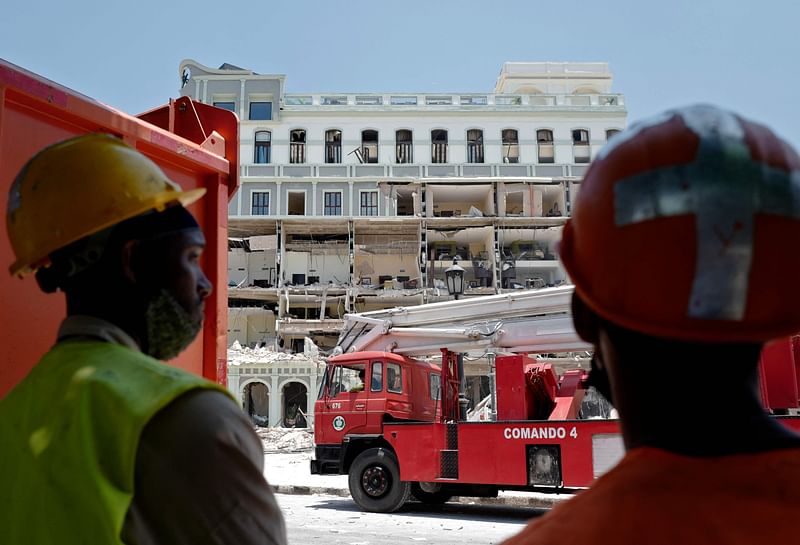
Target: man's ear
x=130 y=268
x=587 y=323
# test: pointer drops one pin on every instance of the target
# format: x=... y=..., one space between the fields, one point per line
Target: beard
x=169 y=328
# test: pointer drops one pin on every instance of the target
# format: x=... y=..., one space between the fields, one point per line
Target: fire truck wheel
x=375 y=483
x=430 y=498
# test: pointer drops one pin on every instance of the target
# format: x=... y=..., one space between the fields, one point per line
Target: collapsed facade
x=352 y=202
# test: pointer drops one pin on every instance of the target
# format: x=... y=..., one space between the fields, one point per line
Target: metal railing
x=297 y=153
x=410 y=170
x=438 y=153
x=404 y=152
x=333 y=153
x=423 y=101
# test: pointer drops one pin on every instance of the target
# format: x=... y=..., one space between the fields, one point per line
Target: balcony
x=371 y=102
x=408 y=170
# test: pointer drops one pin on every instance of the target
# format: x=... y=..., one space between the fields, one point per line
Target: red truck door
x=345 y=403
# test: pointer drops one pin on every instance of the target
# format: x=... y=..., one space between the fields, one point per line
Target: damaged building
x=352 y=202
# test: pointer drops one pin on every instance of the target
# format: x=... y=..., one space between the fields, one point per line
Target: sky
x=741 y=54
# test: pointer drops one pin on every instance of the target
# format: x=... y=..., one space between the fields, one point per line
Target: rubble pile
x=285 y=439
x=238 y=355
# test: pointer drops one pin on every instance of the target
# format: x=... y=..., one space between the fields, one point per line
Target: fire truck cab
x=360 y=393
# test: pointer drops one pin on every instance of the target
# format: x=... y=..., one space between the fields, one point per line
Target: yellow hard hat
x=79 y=187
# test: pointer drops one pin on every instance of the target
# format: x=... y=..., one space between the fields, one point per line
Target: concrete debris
x=239 y=355
x=285 y=439
x=474 y=212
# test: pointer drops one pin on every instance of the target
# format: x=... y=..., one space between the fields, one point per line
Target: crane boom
x=526 y=321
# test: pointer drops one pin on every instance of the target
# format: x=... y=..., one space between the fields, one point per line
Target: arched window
x=611 y=133
x=581 y=151
x=333 y=146
x=474 y=146
x=404 y=146
x=544 y=140
x=369 y=146
x=262 y=147
x=510 y=146
x=438 y=146
x=297 y=146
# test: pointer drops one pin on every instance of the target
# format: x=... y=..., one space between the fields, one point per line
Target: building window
x=474 y=101
x=333 y=101
x=403 y=101
x=260 y=111
x=369 y=100
x=297 y=146
x=544 y=139
x=296 y=203
x=333 y=146
x=438 y=146
x=510 y=146
x=226 y=105
x=611 y=133
x=404 y=146
x=297 y=100
x=438 y=101
x=262 y=147
x=580 y=145
x=333 y=203
x=369 y=146
x=369 y=203
x=474 y=146
x=260 y=203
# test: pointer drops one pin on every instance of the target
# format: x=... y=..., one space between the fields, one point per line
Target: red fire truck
x=397 y=425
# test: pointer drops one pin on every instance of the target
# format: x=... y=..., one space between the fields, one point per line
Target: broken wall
x=326 y=267
x=369 y=268
x=250 y=326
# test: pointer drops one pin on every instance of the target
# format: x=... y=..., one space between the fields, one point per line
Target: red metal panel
x=779 y=375
x=417 y=447
x=495 y=452
x=34 y=113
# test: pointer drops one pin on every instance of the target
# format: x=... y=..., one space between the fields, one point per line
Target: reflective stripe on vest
x=68 y=439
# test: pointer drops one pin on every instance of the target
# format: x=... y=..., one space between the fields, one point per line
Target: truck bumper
x=327 y=460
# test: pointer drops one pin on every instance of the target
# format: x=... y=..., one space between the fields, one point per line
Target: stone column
x=275 y=399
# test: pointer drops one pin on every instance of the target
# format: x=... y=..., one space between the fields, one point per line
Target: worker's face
x=587 y=326
x=173 y=288
x=183 y=274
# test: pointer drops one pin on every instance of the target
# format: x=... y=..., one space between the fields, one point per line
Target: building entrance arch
x=295 y=405
x=255 y=402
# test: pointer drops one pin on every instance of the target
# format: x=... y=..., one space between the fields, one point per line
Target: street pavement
x=289 y=474
x=337 y=520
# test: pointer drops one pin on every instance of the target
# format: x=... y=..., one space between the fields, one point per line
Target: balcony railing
x=333 y=153
x=581 y=153
x=438 y=153
x=297 y=153
x=474 y=153
x=410 y=170
x=430 y=101
x=546 y=152
x=404 y=152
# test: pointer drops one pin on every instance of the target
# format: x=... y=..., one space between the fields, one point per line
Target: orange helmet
x=687 y=226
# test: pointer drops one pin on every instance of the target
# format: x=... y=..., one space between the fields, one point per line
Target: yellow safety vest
x=69 y=433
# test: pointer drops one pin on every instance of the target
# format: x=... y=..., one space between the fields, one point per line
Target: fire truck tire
x=430 y=498
x=375 y=483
